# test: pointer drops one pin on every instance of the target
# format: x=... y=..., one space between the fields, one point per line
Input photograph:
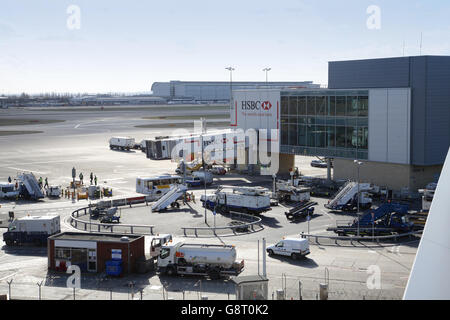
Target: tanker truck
x=214 y=261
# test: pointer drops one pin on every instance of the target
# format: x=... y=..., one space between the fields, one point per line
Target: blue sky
x=124 y=46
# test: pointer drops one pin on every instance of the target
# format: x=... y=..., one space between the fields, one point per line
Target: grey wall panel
x=378 y=125
x=398 y=146
x=438 y=109
x=418 y=84
x=389 y=125
x=374 y=73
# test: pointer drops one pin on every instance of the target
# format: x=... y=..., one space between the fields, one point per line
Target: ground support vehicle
x=214 y=261
x=251 y=200
x=295 y=248
x=31 y=230
x=346 y=199
x=301 y=211
x=388 y=219
x=121 y=143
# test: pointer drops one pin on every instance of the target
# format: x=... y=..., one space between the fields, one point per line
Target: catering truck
x=121 y=143
x=31 y=230
x=212 y=260
x=251 y=200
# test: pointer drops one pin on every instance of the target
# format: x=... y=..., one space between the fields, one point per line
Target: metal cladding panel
x=399 y=126
x=389 y=125
x=378 y=125
x=418 y=109
x=438 y=109
x=373 y=73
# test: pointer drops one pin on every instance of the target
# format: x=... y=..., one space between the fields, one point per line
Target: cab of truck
x=295 y=248
x=157 y=242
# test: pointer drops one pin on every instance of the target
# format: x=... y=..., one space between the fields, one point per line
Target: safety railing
x=377 y=239
x=252 y=223
x=124 y=228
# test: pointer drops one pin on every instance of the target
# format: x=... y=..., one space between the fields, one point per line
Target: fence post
x=131 y=227
x=184 y=231
x=196 y=232
x=9 y=287
x=39 y=285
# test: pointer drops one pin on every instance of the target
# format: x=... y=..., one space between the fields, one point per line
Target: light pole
x=358 y=163
x=266 y=70
x=203 y=162
x=231 y=69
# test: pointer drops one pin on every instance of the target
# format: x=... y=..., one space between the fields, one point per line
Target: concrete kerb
x=76 y=221
x=361 y=240
x=256 y=221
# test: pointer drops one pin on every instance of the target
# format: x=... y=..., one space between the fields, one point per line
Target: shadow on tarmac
x=303 y=262
x=29 y=250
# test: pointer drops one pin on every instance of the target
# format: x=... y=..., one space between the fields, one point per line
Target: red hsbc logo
x=256 y=105
x=266 y=105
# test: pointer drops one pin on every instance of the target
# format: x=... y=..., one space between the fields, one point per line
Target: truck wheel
x=270 y=252
x=294 y=256
x=170 y=271
x=9 y=242
x=215 y=275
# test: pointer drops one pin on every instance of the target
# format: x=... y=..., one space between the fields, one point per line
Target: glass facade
x=325 y=123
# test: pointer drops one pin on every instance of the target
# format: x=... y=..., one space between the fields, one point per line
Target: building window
x=284 y=134
x=311 y=106
x=352 y=106
x=351 y=137
x=301 y=135
x=292 y=134
x=321 y=106
x=310 y=135
x=301 y=120
x=321 y=135
x=292 y=106
x=331 y=135
x=332 y=107
x=363 y=106
x=301 y=102
x=63 y=253
x=334 y=125
x=284 y=106
x=340 y=137
x=340 y=106
x=363 y=134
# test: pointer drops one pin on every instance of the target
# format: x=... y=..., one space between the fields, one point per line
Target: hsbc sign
x=256 y=105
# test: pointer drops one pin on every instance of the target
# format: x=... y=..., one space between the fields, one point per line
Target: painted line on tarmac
x=328 y=215
x=12 y=274
x=26 y=170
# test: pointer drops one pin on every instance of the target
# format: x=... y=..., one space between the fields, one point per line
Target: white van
x=292 y=247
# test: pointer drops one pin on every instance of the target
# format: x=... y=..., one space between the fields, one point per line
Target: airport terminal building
x=393 y=114
x=215 y=91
